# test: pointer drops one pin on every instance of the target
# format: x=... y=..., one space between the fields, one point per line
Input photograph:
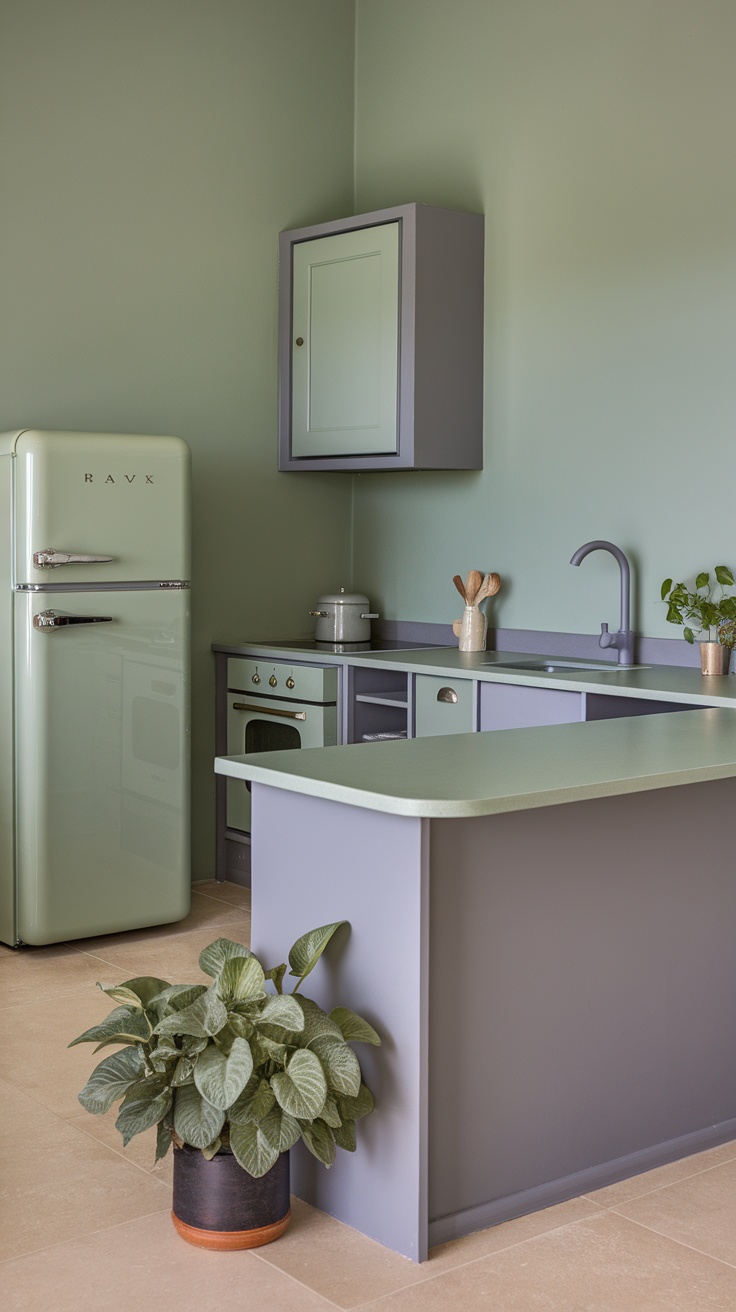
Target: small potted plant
x=233 y=1075
x=711 y=613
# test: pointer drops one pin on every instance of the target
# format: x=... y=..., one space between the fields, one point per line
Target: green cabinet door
x=442 y=705
x=345 y=355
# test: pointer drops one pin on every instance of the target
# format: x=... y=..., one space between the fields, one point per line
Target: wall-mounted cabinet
x=381 y=342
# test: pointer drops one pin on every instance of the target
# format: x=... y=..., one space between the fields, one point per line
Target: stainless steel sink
x=555 y=666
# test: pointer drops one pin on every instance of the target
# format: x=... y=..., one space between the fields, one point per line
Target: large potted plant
x=233 y=1075
x=707 y=608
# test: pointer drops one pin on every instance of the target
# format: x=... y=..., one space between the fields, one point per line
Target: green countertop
x=462 y=775
x=672 y=683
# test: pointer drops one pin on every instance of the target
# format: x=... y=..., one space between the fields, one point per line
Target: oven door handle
x=270 y=710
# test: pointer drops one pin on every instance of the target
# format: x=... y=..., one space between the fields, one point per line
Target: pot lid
x=343 y=598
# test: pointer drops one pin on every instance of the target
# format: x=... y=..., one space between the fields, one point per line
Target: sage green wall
x=150 y=151
x=597 y=136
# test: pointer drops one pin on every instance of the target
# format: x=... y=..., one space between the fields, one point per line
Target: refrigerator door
x=102 y=750
x=120 y=498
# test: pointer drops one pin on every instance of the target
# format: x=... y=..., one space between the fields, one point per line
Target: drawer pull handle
x=270 y=710
x=447 y=695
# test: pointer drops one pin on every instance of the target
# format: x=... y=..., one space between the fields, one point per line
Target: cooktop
x=348 y=648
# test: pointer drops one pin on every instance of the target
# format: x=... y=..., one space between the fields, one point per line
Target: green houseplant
x=708 y=609
x=233 y=1075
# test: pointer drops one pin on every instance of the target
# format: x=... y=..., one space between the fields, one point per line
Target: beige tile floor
x=85 y=1225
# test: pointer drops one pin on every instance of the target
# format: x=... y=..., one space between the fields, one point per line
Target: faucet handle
x=606 y=639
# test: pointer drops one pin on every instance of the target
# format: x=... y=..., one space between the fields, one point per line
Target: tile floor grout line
x=255 y=1252
x=658 y=1189
x=118 y=1152
x=75 y=1239
x=722 y=1261
x=459 y=1266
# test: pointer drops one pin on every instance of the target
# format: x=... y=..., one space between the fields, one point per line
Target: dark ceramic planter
x=218 y=1205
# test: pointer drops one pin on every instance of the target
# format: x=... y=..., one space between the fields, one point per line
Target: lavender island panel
x=596 y=941
x=315 y=862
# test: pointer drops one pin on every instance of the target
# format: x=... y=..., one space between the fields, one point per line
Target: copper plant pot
x=218 y=1205
x=714 y=658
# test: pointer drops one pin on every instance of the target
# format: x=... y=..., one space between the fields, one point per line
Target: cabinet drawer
x=442 y=705
x=517 y=706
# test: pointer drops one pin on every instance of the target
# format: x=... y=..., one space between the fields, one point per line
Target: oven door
x=270 y=724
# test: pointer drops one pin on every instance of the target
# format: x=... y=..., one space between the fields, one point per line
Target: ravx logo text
x=129 y=478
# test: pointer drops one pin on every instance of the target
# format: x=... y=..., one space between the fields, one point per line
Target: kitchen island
x=542 y=928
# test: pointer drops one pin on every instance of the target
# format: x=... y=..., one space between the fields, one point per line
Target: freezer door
x=121 y=500
x=102 y=763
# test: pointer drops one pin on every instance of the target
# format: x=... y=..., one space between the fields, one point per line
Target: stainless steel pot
x=343 y=617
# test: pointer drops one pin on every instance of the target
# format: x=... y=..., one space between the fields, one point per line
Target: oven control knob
x=256 y=678
x=290 y=682
x=273 y=681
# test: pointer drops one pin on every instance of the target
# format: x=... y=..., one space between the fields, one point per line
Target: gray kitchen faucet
x=623 y=640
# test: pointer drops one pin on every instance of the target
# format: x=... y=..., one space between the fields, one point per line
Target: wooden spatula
x=459 y=585
x=472 y=585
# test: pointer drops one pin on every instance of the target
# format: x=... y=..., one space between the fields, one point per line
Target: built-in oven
x=275 y=707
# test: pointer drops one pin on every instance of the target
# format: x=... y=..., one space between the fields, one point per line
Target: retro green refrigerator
x=94 y=684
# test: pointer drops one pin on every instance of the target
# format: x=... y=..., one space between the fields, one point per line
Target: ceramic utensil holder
x=473 y=629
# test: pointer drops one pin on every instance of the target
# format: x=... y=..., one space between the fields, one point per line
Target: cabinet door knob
x=300 y=341
x=447 y=695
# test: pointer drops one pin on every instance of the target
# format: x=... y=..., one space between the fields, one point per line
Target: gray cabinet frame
x=440 y=408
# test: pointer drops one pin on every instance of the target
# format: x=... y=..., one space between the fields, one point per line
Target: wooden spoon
x=459 y=585
x=472 y=585
x=490 y=586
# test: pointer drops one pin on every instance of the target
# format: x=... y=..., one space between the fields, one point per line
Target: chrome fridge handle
x=50 y=558
x=48 y=619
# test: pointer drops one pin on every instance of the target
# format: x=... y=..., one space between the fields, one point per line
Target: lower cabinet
x=442 y=706
x=517 y=706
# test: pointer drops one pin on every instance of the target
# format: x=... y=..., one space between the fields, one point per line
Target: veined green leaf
x=339 y=1063
x=183 y=1072
x=265 y=1049
x=213 y=958
x=276 y=973
x=330 y=1114
x=123 y=1025
x=212 y=1149
x=203 y=1018
x=137 y=992
x=353 y=1108
x=320 y=1141
x=254 y=1103
x=241 y=1026
x=141 y=1114
x=177 y=997
x=316 y=1022
x=163 y=1139
x=666 y=587
x=301 y=1089
x=284 y=1011
x=688 y=635
x=308 y=949
x=111 y=1079
x=253 y=1148
x=353 y=1028
x=196 y=1121
x=724 y=576
x=289 y=1129
x=345 y=1136
x=221 y=1079
x=241 y=979
x=702 y=580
